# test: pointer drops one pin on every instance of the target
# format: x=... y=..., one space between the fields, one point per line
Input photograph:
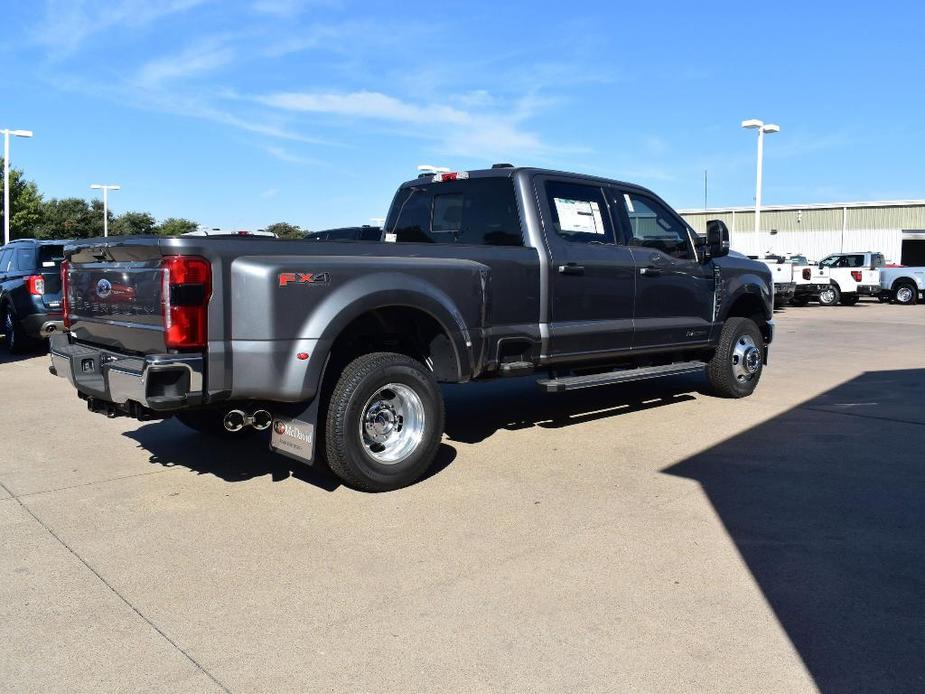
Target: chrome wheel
x=746 y=359
x=392 y=423
x=827 y=296
x=904 y=295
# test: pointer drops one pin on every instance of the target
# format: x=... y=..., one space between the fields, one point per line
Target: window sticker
x=629 y=203
x=579 y=216
x=391 y=238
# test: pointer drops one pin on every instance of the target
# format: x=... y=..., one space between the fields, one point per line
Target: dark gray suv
x=30 y=291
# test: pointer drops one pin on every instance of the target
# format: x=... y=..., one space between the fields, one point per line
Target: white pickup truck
x=806 y=285
x=852 y=275
x=782 y=274
x=904 y=285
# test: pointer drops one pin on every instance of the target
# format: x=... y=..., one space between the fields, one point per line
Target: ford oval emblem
x=103 y=288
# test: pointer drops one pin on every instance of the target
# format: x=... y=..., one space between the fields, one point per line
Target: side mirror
x=717 y=238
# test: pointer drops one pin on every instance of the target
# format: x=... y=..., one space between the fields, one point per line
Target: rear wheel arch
x=903 y=280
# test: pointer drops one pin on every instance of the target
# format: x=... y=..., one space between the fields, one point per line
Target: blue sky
x=239 y=114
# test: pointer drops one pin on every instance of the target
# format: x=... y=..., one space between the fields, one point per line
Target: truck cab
x=852 y=275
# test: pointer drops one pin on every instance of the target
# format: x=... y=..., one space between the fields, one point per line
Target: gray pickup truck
x=338 y=347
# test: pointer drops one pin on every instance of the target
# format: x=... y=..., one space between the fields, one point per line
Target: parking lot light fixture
x=762 y=128
x=105 y=187
x=6 y=177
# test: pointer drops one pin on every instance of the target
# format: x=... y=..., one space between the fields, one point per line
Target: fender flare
x=384 y=290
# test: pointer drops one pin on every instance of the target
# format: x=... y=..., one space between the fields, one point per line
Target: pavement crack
x=94 y=483
x=115 y=592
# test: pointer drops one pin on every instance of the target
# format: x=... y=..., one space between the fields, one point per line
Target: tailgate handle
x=572 y=269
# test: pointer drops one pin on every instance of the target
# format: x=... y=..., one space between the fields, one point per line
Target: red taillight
x=807 y=273
x=185 y=291
x=65 y=295
x=856 y=275
x=35 y=284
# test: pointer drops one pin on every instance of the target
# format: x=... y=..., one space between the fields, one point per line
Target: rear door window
x=5 y=257
x=578 y=212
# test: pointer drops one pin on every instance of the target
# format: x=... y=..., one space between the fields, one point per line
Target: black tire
x=730 y=376
x=830 y=296
x=906 y=293
x=350 y=454
x=849 y=299
x=209 y=422
x=14 y=339
x=799 y=301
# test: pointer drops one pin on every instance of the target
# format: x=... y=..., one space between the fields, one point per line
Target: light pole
x=762 y=128
x=105 y=188
x=6 y=178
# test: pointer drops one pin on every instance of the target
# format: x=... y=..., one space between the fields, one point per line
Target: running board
x=558 y=385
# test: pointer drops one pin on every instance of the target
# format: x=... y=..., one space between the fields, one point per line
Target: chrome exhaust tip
x=261 y=420
x=234 y=420
x=50 y=327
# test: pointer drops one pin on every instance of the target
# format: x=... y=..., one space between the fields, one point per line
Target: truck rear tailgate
x=114 y=298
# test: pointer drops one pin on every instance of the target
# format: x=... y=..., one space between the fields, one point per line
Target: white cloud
x=196 y=60
x=289 y=157
x=269 y=193
x=288 y=8
x=459 y=132
x=366 y=104
x=67 y=24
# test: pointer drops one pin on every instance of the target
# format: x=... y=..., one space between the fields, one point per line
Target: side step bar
x=559 y=385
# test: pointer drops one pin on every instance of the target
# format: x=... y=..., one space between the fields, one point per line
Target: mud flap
x=293 y=431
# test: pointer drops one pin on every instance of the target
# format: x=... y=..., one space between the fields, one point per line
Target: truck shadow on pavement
x=826 y=505
x=475 y=411
x=171 y=444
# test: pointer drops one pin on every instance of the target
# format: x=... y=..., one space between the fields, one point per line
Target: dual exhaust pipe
x=235 y=420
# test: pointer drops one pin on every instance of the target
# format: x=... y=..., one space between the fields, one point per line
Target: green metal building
x=895 y=228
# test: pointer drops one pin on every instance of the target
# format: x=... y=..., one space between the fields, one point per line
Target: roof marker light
x=450 y=176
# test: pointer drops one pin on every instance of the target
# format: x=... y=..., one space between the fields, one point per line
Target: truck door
x=591 y=272
x=674 y=290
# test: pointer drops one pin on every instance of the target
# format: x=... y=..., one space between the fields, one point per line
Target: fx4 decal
x=287 y=278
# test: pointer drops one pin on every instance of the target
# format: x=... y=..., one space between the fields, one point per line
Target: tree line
x=76 y=218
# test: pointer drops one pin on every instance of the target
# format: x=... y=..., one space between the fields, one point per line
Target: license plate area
x=293 y=437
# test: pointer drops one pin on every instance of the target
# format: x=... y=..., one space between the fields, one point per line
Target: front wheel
x=830 y=296
x=906 y=294
x=384 y=422
x=736 y=366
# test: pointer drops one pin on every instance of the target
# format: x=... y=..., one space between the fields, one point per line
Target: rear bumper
x=32 y=324
x=783 y=290
x=869 y=289
x=810 y=289
x=161 y=382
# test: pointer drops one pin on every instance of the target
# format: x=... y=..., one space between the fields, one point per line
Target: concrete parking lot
x=634 y=538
